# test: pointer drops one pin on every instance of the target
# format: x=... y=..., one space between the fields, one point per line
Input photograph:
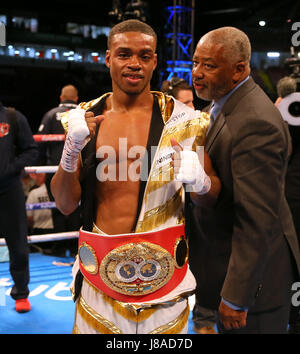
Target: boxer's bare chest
x=124 y=133
x=121 y=145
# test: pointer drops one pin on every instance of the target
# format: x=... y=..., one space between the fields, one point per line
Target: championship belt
x=136 y=267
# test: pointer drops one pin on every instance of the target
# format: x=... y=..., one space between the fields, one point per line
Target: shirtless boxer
x=131 y=274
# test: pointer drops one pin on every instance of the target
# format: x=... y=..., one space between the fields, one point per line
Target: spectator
x=40 y=220
x=50 y=154
x=17 y=150
x=288 y=106
x=285 y=87
x=179 y=89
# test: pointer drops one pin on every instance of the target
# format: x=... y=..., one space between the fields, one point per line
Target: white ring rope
x=47 y=237
x=42 y=138
x=41 y=169
x=38 y=206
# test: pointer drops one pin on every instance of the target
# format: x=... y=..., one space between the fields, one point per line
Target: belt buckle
x=137 y=268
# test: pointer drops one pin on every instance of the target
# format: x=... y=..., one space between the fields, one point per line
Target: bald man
x=50 y=124
x=69 y=93
x=243 y=251
x=50 y=155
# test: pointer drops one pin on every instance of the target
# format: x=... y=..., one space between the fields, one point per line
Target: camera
x=289 y=108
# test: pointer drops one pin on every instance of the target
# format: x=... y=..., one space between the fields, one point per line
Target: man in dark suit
x=244 y=251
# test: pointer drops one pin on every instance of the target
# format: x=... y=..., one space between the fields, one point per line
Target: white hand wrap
x=191 y=172
x=76 y=139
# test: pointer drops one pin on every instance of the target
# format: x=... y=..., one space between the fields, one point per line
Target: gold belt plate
x=137 y=268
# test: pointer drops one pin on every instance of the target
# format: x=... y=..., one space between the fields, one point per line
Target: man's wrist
x=234 y=306
x=70 y=154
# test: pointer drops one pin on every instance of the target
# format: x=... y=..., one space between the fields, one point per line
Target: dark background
x=34 y=88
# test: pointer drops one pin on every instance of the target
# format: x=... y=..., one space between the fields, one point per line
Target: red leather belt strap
x=134 y=267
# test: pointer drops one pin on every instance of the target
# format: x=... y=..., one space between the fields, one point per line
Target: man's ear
x=107 y=58
x=239 y=71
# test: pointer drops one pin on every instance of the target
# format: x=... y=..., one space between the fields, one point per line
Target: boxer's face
x=131 y=60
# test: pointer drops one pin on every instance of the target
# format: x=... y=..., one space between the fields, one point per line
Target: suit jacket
x=245 y=247
x=293 y=172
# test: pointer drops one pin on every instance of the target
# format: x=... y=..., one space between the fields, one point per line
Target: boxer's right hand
x=77 y=126
x=82 y=125
x=81 y=128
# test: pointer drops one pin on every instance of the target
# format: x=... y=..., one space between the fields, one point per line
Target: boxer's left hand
x=188 y=169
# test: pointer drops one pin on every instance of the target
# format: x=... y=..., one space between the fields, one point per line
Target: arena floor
x=52 y=309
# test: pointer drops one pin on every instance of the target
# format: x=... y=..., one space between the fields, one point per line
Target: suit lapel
x=237 y=96
x=214 y=131
x=228 y=107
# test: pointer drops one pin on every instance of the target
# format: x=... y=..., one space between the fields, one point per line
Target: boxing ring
x=45 y=205
x=50 y=278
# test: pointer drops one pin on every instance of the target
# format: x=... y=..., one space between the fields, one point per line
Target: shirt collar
x=68 y=103
x=218 y=104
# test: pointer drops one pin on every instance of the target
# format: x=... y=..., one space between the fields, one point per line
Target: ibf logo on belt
x=2 y=34
x=4 y=129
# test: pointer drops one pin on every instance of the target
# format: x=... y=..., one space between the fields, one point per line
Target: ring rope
x=38 y=206
x=45 y=205
x=42 y=138
x=47 y=237
x=41 y=169
x=48 y=137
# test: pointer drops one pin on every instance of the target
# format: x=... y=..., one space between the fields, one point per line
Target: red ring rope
x=49 y=137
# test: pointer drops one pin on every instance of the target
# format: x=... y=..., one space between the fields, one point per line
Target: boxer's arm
x=65 y=184
x=66 y=190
